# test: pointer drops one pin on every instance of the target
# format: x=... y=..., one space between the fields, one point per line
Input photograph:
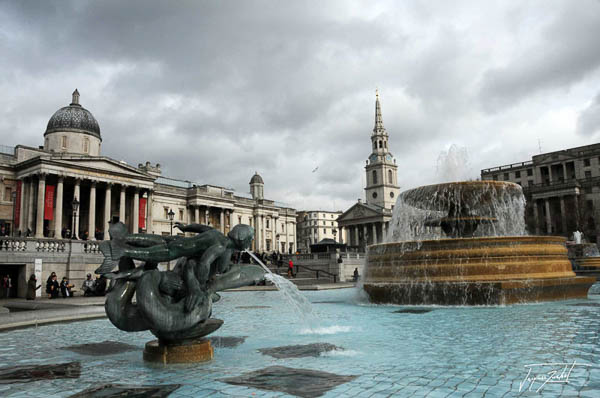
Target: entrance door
x=17 y=274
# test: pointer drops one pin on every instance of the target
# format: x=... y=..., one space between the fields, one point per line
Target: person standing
x=32 y=286
x=290 y=269
x=52 y=286
x=49 y=284
x=5 y=287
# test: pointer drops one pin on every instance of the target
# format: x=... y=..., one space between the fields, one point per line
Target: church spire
x=378 y=129
x=75 y=100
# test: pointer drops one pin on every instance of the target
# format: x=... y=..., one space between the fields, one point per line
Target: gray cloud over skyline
x=217 y=90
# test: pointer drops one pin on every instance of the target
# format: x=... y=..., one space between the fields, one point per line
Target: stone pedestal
x=197 y=351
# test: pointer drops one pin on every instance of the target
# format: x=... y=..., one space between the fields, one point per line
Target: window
x=7 y=193
x=390 y=177
x=268 y=223
x=391 y=194
x=324 y=231
x=588 y=174
x=506 y=177
x=517 y=174
x=239 y=219
x=374 y=195
x=380 y=146
x=166 y=212
x=86 y=145
x=529 y=172
x=63 y=141
x=374 y=176
x=586 y=162
x=181 y=214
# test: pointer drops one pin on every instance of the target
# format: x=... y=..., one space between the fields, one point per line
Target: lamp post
x=75 y=205
x=171 y=215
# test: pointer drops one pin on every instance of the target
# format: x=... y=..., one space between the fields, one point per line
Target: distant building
x=313 y=226
x=367 y=223
x=562 y=189
x=38 y=188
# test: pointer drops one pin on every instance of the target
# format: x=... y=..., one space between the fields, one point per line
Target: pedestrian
x=49 y=283
x=5 y=287
x=52 y=286
x=290 y=269
x=355 y=275
x=88 y=286
x=65 y=288
x=100 y=286
x=32 y=286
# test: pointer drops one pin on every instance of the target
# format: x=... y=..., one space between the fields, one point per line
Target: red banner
x=142 y=220
x=18 y=205
x=49 y=203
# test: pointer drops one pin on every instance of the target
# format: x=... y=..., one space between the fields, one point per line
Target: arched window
x=390 y=177
x=374 y=176
x=380 y=145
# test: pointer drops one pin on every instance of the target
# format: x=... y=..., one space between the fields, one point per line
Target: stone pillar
x=227 y=220
x=563 y=215
x=39 y=222
x=206 y=218
x=357 y=236
x=136 y=210
x=22 y=202
x=122 y=204
x=375 y=233
x=263 y=240
x=30 y=204
x=107 y=209
x=92 y=213
x=76 y=194
x=197 y=214
x=255 y=226
x=548 y=218
x=222 y=220
x=387 y=230
x=149 y=228
x=365 y=233
x=536 y=217
x=59 y=208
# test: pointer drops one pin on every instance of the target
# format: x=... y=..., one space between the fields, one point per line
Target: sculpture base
x=197 y=351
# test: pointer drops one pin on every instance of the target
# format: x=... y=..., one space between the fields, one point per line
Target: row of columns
x=28 y=195
x=353 y=233
x=260 y=233
x=224 y=216
x=548 y=215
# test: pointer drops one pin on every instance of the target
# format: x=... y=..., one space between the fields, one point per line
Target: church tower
x=382 y=173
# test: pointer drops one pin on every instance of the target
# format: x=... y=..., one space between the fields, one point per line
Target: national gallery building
x=66 y=188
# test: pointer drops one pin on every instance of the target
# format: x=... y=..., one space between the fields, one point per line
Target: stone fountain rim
x=489 y=239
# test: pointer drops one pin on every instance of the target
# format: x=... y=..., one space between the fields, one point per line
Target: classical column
x=30 y=204
x=375 y=233
x=39 y=222
x=228 y=220
x=356 y=235
x=206 y=218
x=263 y=239
x=122 y=204
x=59 y=208
x=76 y=194
x=107 y=209
x=536 y=217
x=136 y=210
x=149 y=212
x=365 y=235
x=197 y=214
x=222 y=220
x=22 y=204
x=563 y=215
x=255 y=226
x=92 y=213
x=387 y=230
x=548 y=218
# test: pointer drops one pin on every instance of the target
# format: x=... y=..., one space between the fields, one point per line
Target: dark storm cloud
x=567 y=51
x=216 y=90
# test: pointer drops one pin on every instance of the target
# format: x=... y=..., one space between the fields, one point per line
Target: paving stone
x=122 y=390
x=103 y=348
x=299 y=351
x=29 y=373
x=304 y=383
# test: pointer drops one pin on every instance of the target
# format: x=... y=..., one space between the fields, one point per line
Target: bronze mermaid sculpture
x=174 y=305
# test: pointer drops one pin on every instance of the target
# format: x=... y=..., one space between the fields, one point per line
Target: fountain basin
x=473 y=271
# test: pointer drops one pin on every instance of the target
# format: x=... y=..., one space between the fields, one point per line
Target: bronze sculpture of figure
x=174 y=305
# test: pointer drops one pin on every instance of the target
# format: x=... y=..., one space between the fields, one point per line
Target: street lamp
x=75 y=205
x=171 y=215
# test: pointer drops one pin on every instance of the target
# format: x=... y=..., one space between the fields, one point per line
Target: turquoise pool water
x=445 y=352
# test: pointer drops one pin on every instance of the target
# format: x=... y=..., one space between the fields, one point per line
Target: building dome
x=256 y=179
x=73 y=118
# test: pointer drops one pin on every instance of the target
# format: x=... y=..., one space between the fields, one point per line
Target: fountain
x=483 y=258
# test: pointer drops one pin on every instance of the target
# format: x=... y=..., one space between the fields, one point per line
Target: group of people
x=54 y=289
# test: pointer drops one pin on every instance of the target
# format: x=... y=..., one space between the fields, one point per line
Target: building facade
x=67 y=188
x=367 y=223
x=562 y=189
x=315 y=225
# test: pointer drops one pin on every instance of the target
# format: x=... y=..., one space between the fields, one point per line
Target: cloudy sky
x=216 y=90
